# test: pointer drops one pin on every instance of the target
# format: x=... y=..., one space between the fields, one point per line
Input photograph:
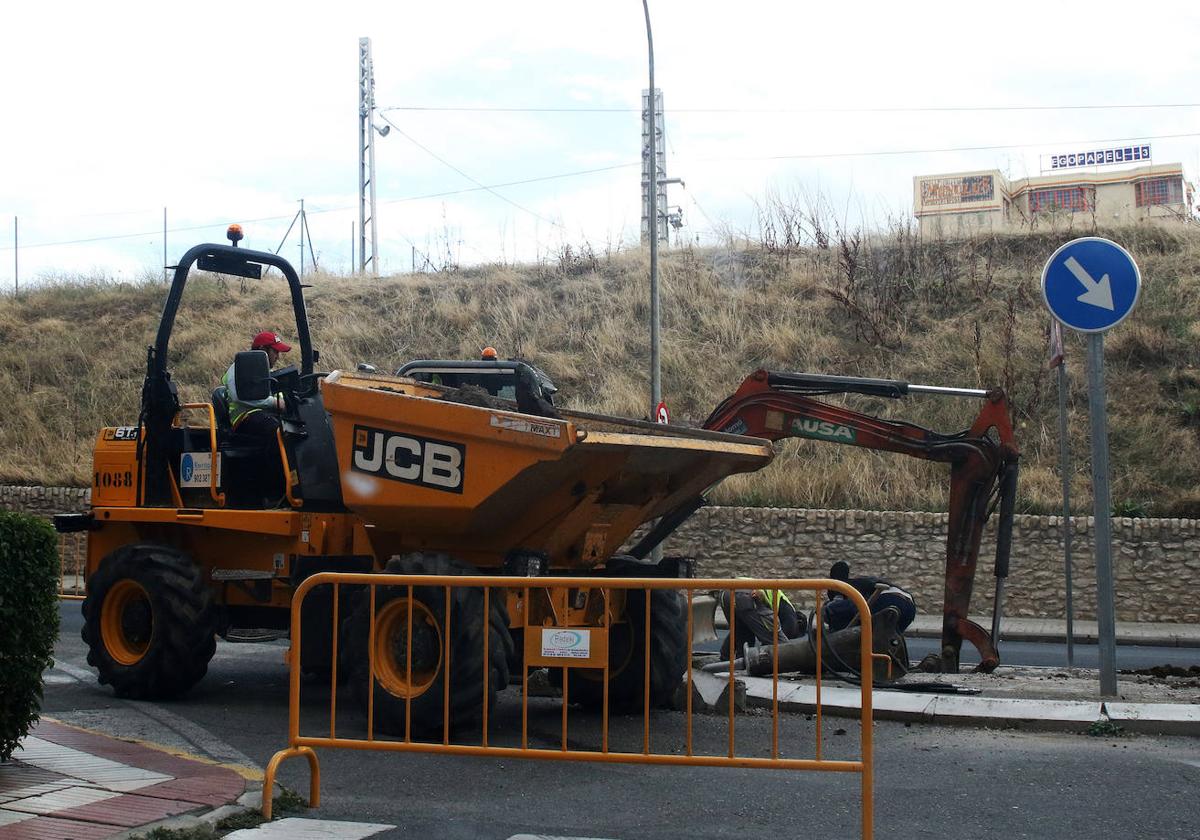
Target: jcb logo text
x=438 y=464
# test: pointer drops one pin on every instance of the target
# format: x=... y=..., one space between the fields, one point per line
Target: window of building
x=1075 y=199
x=1159 y=191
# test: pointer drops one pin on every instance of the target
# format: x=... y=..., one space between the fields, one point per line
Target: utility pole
x=654 y=128
x=653 y=165
x=16 y=268
x=306 y=234
x=165 y=245
x=652 y=212
x=366 y=159
x=302 y=218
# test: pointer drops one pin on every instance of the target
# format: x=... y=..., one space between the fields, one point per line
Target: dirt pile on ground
x=1173 y=676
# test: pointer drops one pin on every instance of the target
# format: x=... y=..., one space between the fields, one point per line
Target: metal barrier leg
x=314 y=775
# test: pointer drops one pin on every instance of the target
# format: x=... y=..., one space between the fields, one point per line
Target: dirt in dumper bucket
x=476 y=396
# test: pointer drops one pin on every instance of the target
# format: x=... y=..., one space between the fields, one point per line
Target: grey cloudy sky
x=233 y=112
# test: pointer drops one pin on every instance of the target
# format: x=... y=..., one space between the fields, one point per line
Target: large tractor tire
x=627 y=642
x=394 y=693
x=149 y=622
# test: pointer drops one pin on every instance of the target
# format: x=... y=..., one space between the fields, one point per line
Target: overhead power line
x=157 y=232
x=539 y=179
x=324 y=210
x=897 y=109
x=890 y=152
x=477 y=183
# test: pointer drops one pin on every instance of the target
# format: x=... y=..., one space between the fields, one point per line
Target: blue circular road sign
x=1091 y=284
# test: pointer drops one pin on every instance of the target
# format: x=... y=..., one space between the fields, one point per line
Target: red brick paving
x=15 y=775
x=126 y=752
x=212 y=789
x=48 y=828
x=195 y=785
x=128 y=810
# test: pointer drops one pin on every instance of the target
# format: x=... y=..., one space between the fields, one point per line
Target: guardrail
x=397 y=677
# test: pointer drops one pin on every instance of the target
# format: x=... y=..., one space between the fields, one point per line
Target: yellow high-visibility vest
x=238 y=409
x=773 y=597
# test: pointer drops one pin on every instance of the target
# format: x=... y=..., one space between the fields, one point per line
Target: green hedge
x=28 y=621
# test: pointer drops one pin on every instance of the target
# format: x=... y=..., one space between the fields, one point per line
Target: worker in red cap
x=258 y=417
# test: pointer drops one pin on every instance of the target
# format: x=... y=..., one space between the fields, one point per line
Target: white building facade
x=963 y=203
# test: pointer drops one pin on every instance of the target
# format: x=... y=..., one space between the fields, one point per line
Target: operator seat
x=252 y=469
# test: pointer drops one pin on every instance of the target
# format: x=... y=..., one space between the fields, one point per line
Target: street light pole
x=652 y=214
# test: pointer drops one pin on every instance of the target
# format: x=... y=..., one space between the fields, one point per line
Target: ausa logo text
x=438 y=464
x=822 y=430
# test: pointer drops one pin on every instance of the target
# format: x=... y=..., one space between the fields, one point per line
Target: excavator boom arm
x=983 y=468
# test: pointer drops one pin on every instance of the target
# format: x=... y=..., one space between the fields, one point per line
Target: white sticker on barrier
x=561 y=643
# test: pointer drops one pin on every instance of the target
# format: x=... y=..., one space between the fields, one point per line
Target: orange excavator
x=983 y=476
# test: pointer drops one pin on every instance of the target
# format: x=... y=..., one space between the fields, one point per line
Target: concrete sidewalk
x=65 y=782
x=1026 y=697
x=1012 y=696
x=1055 y=630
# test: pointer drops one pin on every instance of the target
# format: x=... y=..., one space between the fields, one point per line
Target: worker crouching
x=753 y=618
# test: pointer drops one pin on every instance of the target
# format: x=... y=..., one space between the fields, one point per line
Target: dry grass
x=889 y=305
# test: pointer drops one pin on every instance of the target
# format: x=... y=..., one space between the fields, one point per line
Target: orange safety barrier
x=304 y=744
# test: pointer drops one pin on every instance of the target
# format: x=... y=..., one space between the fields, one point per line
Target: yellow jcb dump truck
x=198 y=531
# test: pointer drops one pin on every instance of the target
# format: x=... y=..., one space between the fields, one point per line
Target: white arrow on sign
x=1098 y=292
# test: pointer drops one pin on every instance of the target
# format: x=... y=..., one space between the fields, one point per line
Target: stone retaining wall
x=1157 y=561
x=47 y=501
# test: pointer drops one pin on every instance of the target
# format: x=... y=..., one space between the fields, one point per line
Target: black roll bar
x=230 y=255
x=160 y=400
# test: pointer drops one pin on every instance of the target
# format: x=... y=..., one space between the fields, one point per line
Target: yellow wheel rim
x=126 y=622
x=391 y=648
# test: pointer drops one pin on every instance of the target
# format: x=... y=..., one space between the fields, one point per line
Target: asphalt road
x=930 y=781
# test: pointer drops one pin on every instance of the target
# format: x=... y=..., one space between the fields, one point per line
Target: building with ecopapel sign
x=961 y=203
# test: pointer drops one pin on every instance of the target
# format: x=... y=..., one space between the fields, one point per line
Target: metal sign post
x=1058 y=359
x=1102 y=510
x=1091 y=285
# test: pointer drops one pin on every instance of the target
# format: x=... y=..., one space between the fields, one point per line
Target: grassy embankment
x=966 y=314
